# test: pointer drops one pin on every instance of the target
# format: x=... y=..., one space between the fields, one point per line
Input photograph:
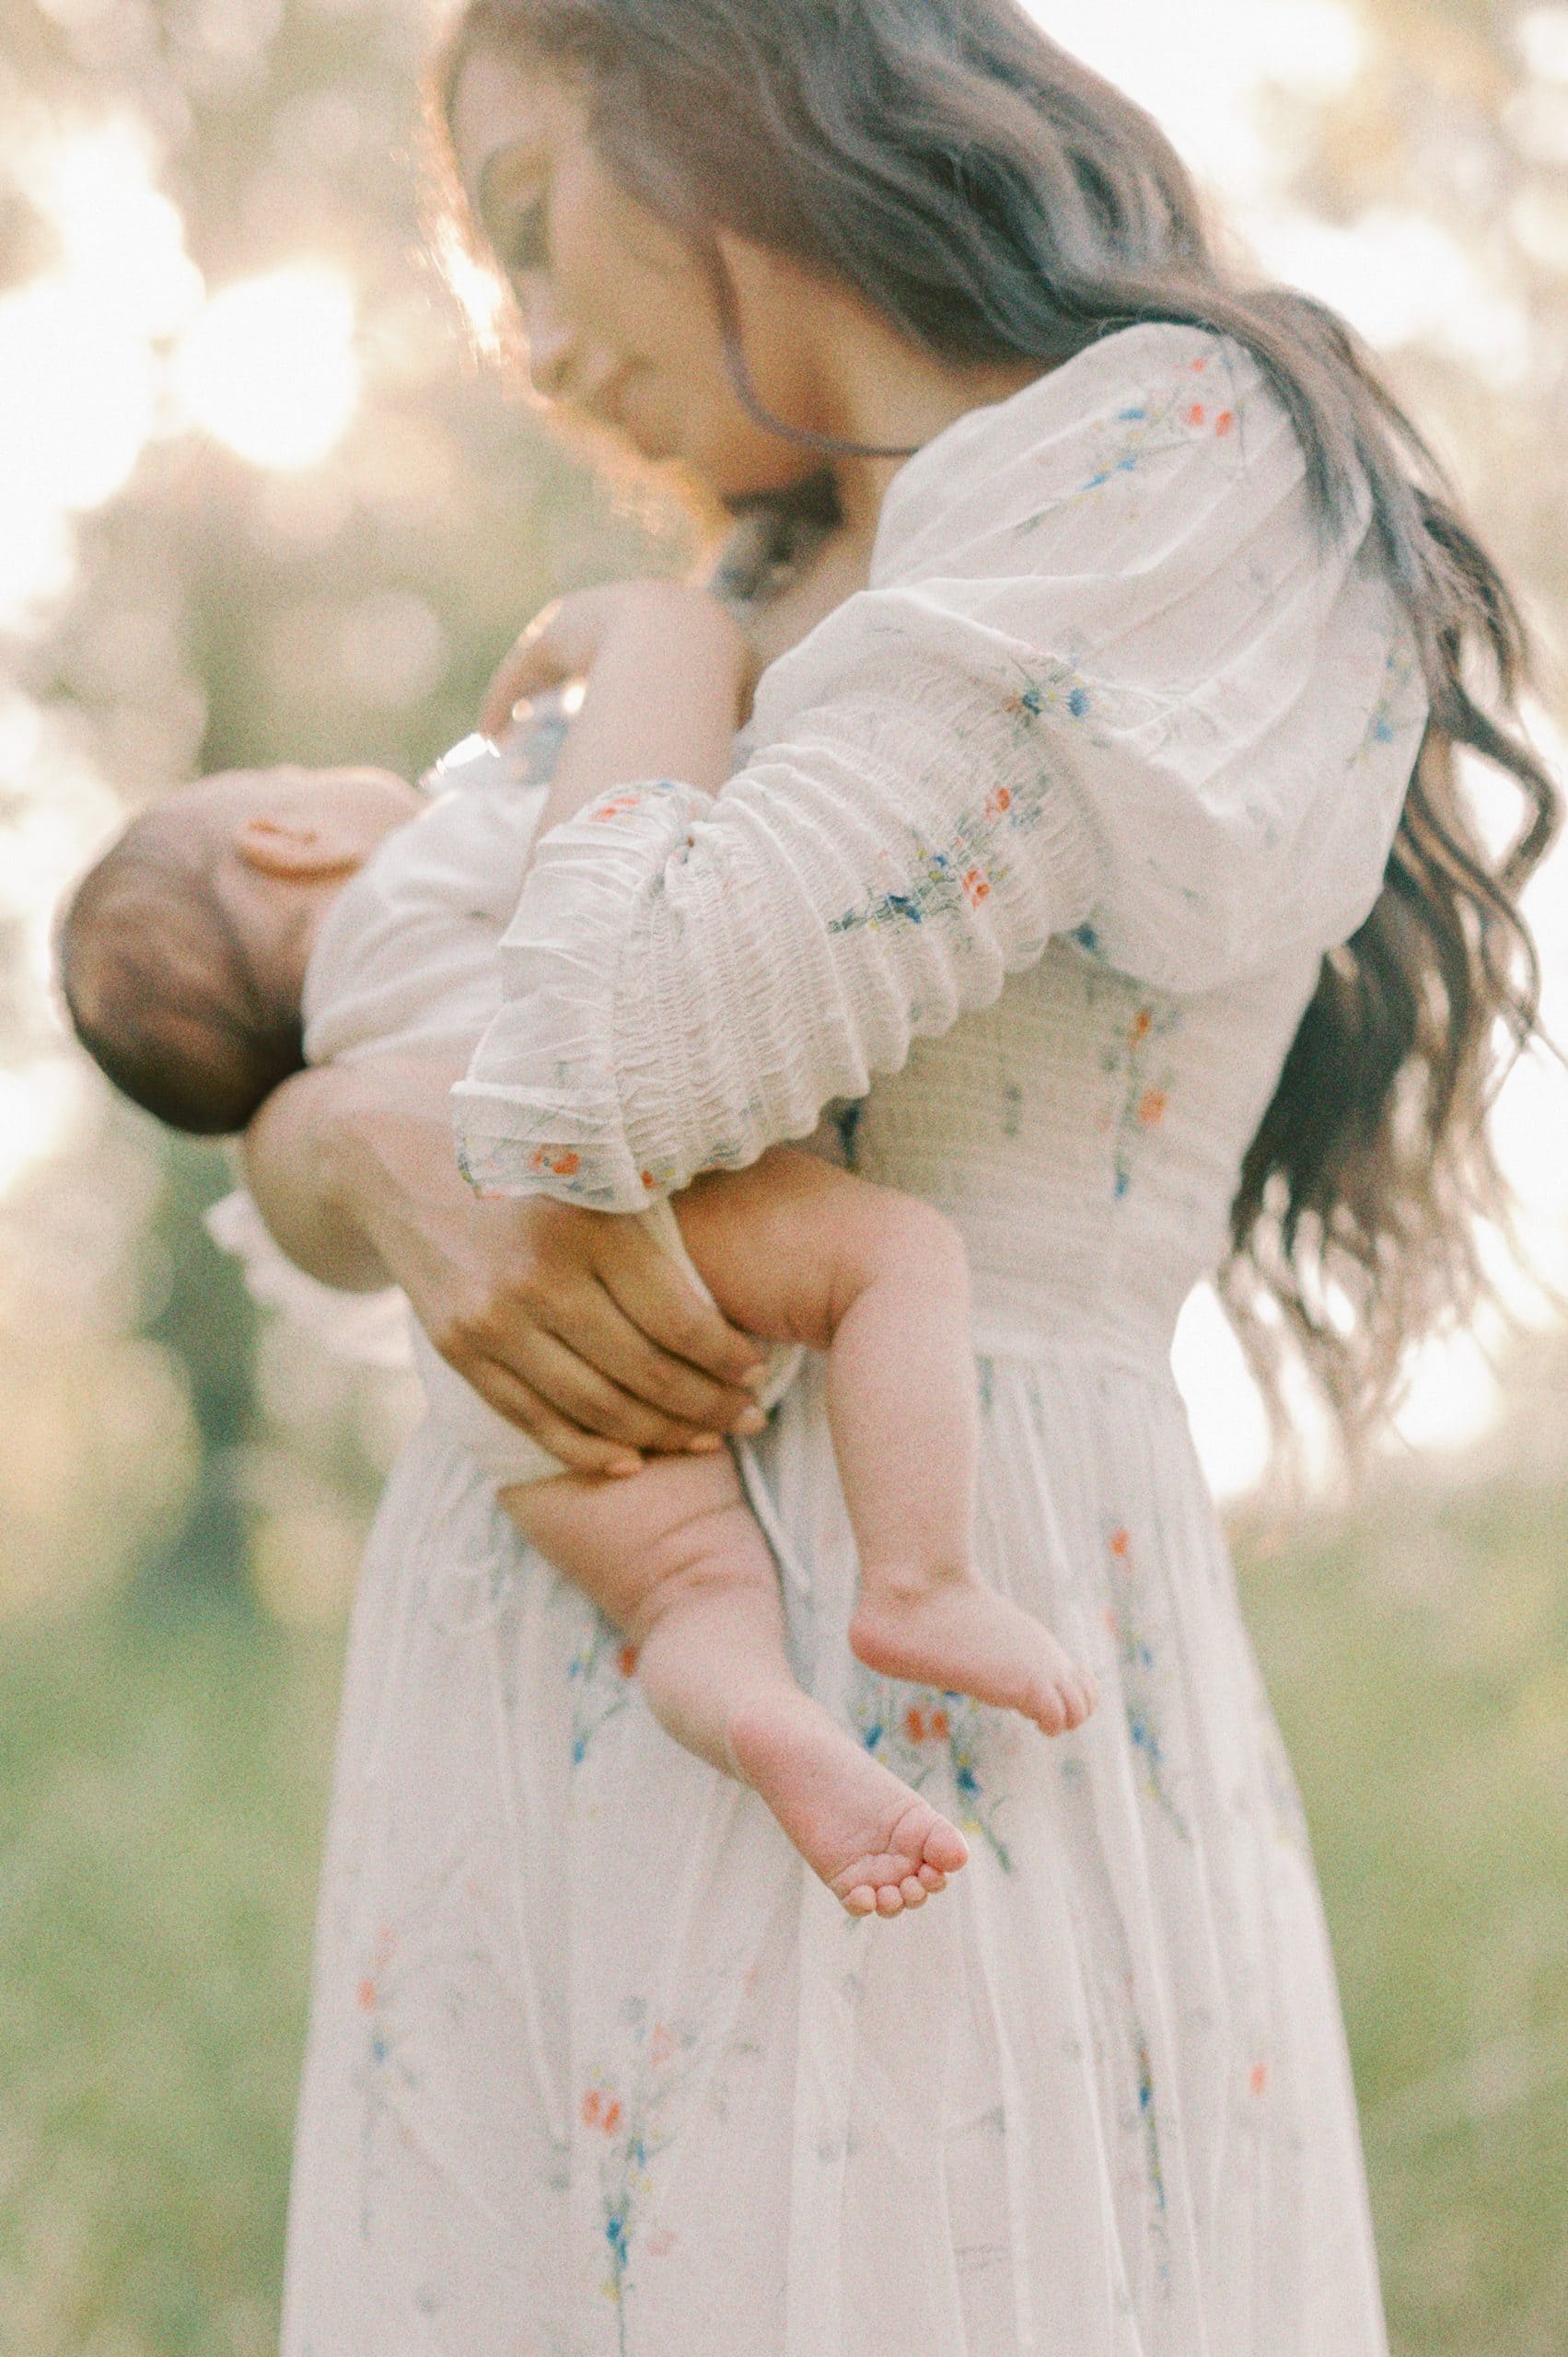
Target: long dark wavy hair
x=997 y=201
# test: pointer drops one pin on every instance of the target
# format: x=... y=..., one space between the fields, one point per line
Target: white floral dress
x=1106 y=757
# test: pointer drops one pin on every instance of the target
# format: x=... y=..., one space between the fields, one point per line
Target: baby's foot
x=877 y=1846
x=961 y=1637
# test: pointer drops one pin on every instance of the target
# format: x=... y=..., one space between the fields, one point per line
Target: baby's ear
x=297 y=849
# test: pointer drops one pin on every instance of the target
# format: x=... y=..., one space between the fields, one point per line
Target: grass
x=162 y=1800
x=164 y=1792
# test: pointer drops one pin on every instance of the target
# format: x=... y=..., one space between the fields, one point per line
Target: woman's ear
x=297 y=849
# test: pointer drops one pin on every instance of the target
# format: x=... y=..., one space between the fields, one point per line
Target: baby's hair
x=160 y=992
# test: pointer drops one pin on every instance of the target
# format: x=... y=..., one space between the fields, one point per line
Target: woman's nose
x=551 y=344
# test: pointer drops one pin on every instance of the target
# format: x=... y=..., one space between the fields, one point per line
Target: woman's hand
x=571 y=1323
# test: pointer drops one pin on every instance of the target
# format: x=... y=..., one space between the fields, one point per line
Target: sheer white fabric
x=1109 y=755
x=1111 y=677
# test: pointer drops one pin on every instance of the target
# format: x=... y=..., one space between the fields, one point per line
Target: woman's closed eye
x=525 y=246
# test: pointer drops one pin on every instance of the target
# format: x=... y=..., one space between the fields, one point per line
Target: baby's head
x=183 y=952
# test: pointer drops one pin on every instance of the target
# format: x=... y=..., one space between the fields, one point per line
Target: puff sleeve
x=1114 y=677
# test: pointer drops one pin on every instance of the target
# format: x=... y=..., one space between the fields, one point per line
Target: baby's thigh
x=620 y=1540
x=786 y=1246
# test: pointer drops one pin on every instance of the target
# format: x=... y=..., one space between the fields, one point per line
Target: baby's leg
x=674 y=1558
x=797 y=1250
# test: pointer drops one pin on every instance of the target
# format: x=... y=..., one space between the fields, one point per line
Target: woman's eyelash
x=527 y=240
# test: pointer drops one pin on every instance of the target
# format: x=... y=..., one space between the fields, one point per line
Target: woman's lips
x=625 y=406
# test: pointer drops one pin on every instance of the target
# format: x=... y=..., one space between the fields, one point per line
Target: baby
x=258 y=922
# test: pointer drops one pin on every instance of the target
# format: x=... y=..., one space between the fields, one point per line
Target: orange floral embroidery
x=1143 y=1024
x=1151 y=1108
x=1121 y=1544
x=976 y=886
x=559 y=1161
x=367 y=1996
x=601 y=2112
x=1225 y=422
x=999 y=802
x=1197 y=413
x=626 y=1660
x=1258 y=2079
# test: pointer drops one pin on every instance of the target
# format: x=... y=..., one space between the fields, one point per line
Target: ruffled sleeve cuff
x=540 y=1110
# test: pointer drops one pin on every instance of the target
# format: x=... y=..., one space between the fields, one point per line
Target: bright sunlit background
x=257 y=501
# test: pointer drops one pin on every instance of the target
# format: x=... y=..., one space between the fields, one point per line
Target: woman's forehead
x=504 y=115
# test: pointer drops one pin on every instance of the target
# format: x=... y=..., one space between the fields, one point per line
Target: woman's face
x=621 y=318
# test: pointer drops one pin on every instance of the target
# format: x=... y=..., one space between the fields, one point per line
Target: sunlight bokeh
x=269 y=367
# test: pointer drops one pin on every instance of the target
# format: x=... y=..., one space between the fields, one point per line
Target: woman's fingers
x=592 y=1324
x=663 y=1304
x=579 y=1451
x=577 y=1390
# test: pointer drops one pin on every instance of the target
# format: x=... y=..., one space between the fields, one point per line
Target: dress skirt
x=597 y=2069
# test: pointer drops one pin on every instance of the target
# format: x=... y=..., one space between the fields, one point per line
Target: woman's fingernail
x=704 y=1444
x=756 y=1379
x=624 y=1467
x=751 y=1420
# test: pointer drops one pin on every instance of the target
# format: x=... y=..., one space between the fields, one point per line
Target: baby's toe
x=913 y=1891
x=944 y=1850
x=889 y=1899
x=1081 y=1699
x=934 y=1879
x=1051 y=1714
x=861 y=1900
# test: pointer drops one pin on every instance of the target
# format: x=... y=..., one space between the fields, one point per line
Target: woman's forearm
x=331 y=1147
x=576 y=1325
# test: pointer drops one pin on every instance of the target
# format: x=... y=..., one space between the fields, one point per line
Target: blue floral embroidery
x=920 y=1733
x=1138 y=1662
x=1397 y=708
x=1198 y=404
x=600 y=1670
x=626 y=2114
x=1153 y=2167
x=965 y=871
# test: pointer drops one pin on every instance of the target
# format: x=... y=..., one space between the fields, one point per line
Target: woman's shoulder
x=1155 y=407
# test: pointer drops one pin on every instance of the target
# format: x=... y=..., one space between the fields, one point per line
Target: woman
x=1098 y=860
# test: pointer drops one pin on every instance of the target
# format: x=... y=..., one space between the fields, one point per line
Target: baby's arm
x=640 y=718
